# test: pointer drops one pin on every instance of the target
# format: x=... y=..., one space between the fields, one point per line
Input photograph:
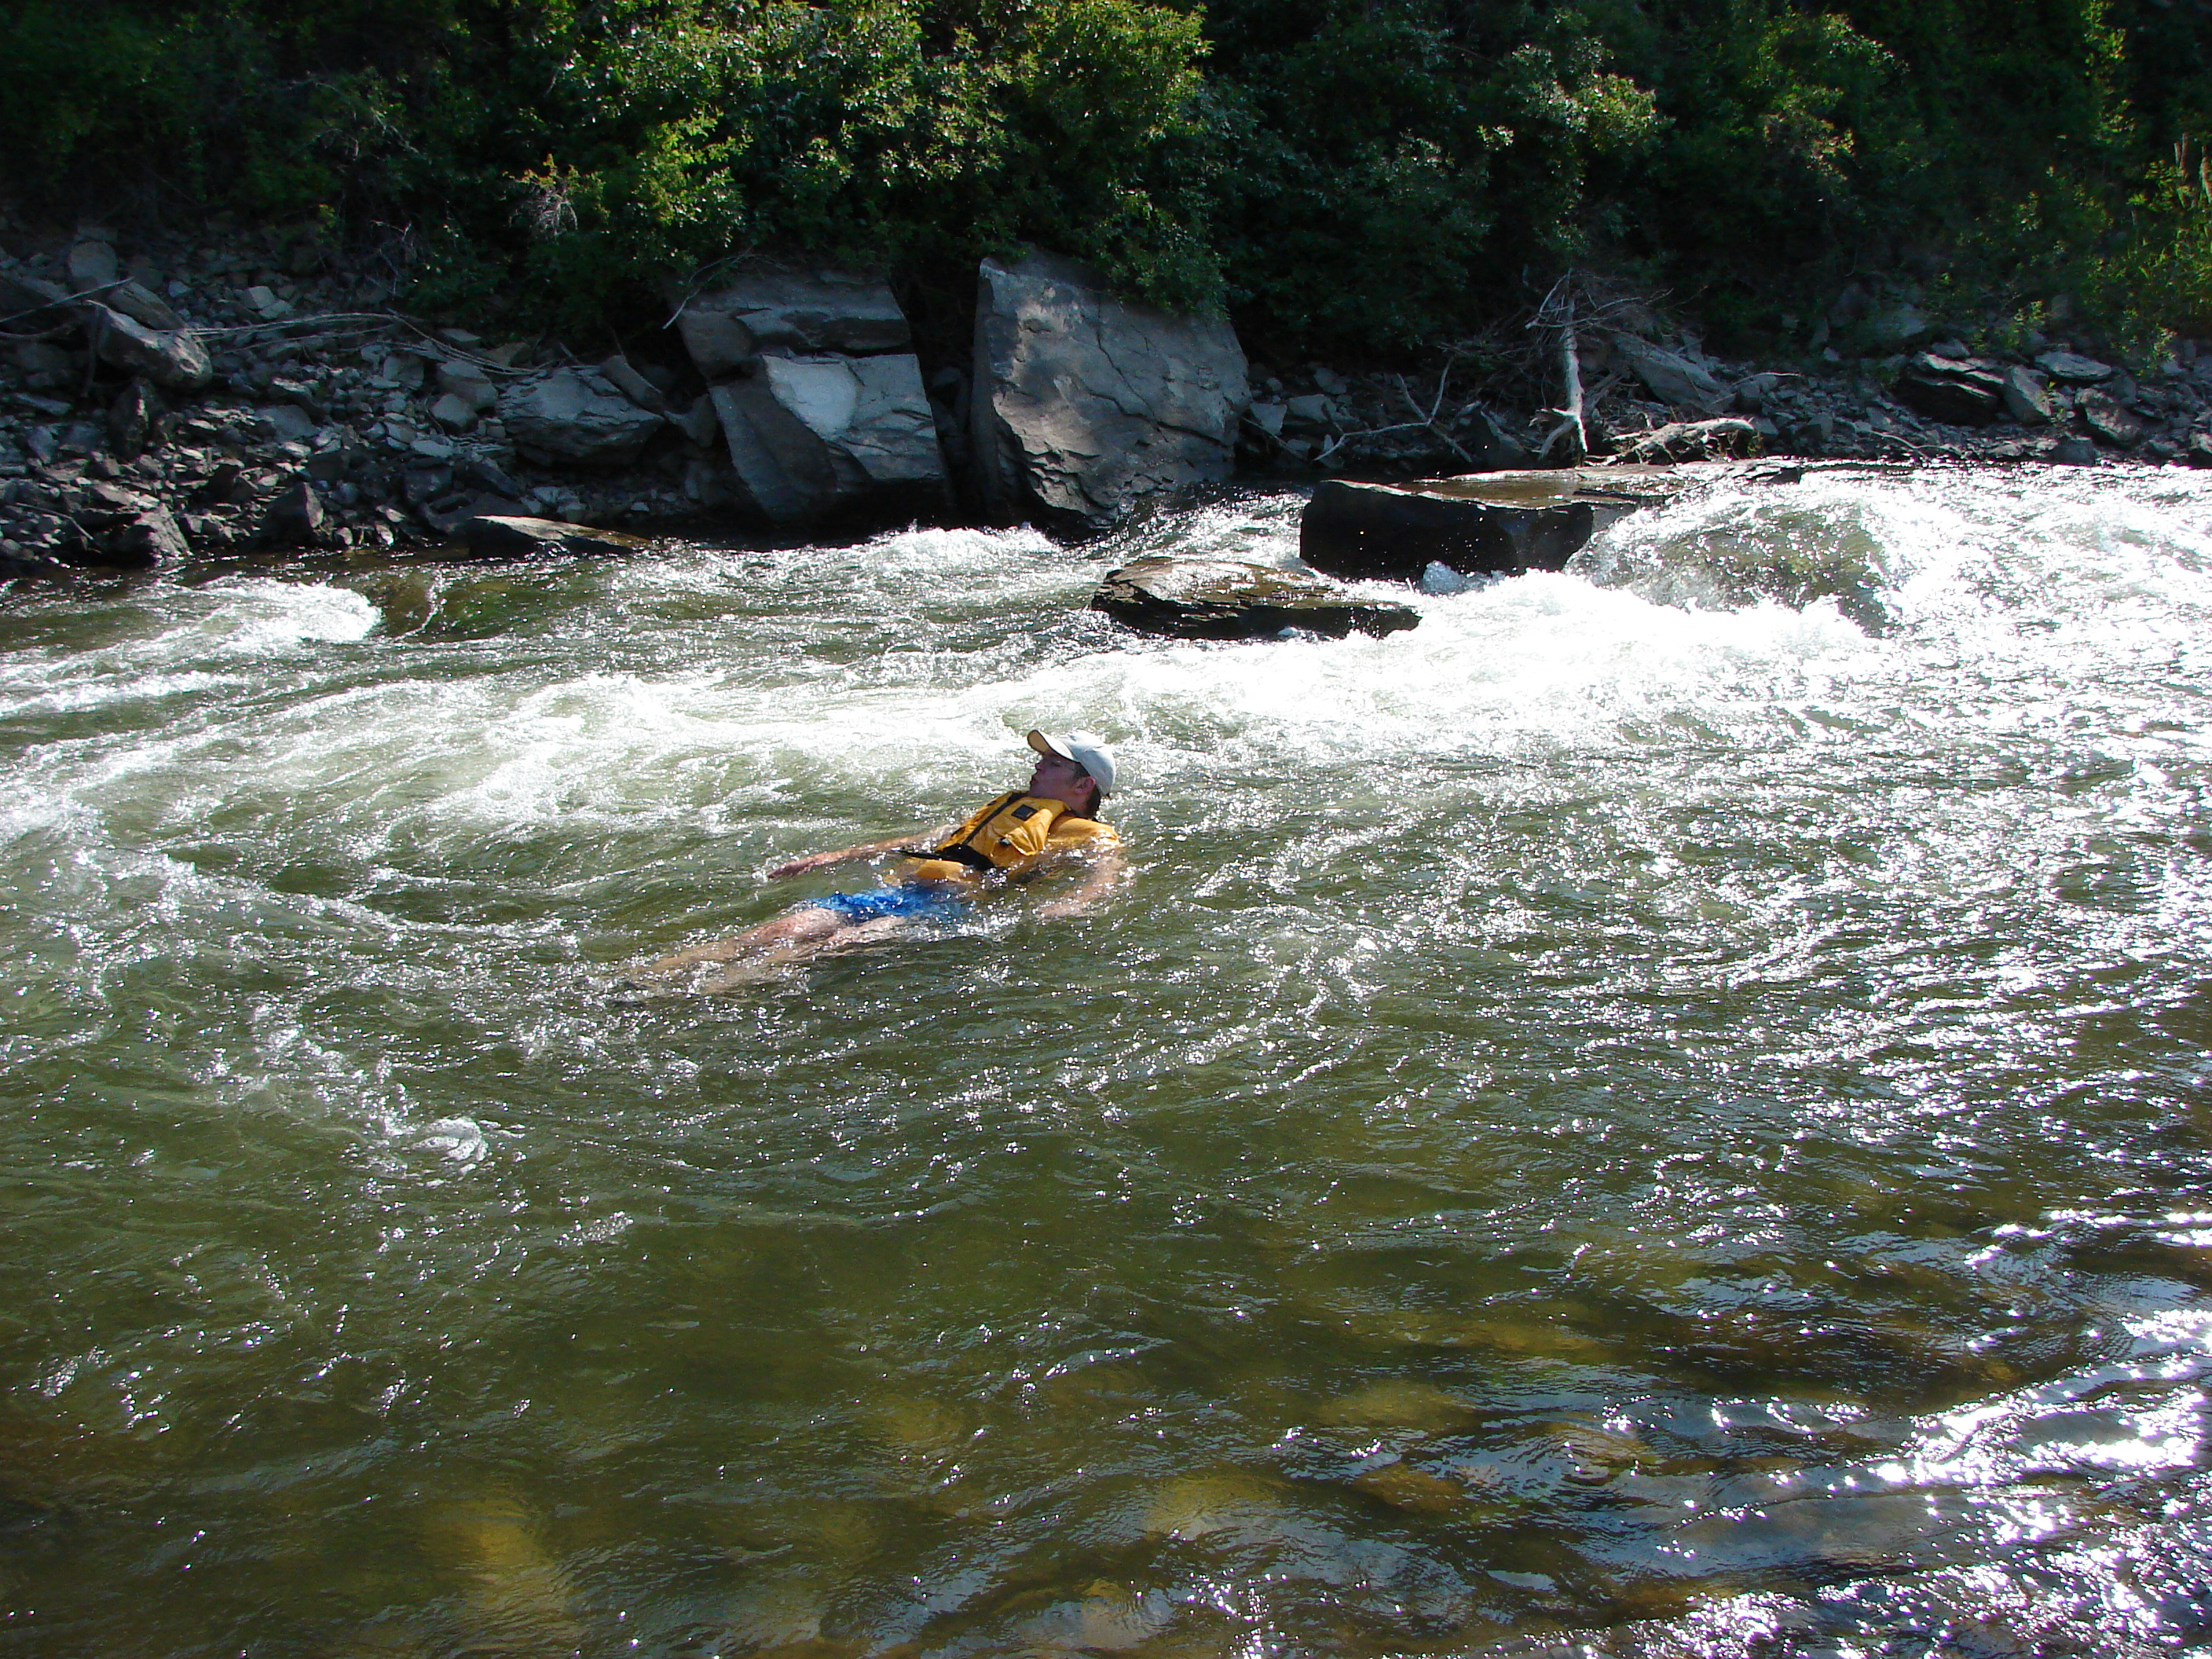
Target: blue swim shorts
x=908 y=902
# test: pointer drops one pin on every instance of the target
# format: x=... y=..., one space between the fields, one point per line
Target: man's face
x=1058 y=778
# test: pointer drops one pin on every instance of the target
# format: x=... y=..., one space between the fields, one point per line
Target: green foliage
x=1361 y=175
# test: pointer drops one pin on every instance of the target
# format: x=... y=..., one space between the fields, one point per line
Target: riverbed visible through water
x=1667 y=1106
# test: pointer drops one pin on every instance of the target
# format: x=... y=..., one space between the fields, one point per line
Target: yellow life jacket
x=1000 y=838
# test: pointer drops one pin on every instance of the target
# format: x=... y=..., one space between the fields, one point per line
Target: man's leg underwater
x=808 y=924
x=758 y=953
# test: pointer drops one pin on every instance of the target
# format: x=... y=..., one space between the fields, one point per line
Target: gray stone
x=141 y=305
x=454 y=413
x=1485 y=523
x=2111 y=420
x=24 y=290
x=1729 y=437
x=2027 y=396
x=700 y=422
x=813 y=437
x=797 y=312
x=42 y=362
x=2071 y=369
x=282 y=423
x=469 y=383
x=294 y=518
x=1269 y=417
x=2197 y=451
x=506 y=536
x=1314 y=412
x=1752 y=392
x=2074 y=452
x=1086 y=405
x=19 y=563
x=1963 y=392
x=149 y=538
x=633 y=384
x=92 y=263
x=173 y=360
x=1201 y=598
x=576 y=415
x=130 y=420
x=1673 y=379
x=302 y=396
x=1896 y=328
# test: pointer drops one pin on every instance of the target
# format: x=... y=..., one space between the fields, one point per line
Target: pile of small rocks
x=245 y=395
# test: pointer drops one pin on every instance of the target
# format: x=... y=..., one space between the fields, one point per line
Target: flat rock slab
x=1231 y=599
x=495 y=536
x=1484 y=523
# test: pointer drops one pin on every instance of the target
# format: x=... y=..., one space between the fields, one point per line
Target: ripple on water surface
x=1669 y=1098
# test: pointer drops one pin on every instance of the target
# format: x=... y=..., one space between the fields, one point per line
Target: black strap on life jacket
x=960 y=849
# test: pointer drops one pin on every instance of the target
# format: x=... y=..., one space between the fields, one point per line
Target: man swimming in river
x=1051 y=822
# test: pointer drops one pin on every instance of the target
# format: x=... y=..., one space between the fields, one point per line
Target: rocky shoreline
x=165 y=404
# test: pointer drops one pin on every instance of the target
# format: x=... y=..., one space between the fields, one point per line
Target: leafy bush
x=1362 y=175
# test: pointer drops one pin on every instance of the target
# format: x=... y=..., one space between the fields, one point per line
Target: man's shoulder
x=1075 y=832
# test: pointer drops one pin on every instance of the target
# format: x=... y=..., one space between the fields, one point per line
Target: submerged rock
x=1483 y=524
x=1086 y=405
x=1231 y=599
x=500 y=536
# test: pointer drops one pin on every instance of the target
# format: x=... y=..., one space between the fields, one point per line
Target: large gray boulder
x=576 y=415
x=797 y=312
x=813 y=381
x=812 y=437
x=1085 y=405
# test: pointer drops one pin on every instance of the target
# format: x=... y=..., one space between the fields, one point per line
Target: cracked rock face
x=799 y=312
x=819 y=396
x=577 y=415
x=809 y=436
x=1086 y=405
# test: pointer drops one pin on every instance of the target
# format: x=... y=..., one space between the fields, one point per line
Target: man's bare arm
x=866 y=849
x=1103 y=872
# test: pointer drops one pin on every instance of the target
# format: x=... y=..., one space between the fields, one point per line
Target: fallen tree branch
x=1558 y=312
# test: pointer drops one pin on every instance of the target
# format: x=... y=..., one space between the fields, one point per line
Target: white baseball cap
x=1087 y=751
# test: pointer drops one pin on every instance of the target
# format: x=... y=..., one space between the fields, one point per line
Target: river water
x=1667 y=1104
